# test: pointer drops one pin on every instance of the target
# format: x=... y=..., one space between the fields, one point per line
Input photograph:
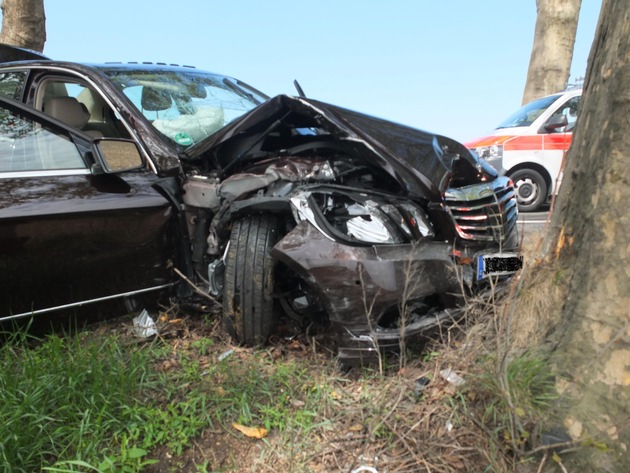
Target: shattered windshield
x=528 y=113
x=185 y=106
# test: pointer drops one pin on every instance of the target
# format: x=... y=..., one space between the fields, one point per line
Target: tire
x=248 y=312
x=531 y=189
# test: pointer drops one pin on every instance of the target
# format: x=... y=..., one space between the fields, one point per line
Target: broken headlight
x=489 y=152
x=360 y=219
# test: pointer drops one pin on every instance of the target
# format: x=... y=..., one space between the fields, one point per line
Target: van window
x=570 y=110
x=526 y=115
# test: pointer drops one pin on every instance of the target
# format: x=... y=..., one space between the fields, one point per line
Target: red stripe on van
x=551 y=141
x=524 y=143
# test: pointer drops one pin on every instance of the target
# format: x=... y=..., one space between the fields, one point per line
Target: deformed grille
x=484 y=212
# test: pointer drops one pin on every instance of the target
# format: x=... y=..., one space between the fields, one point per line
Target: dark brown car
x=282 y=205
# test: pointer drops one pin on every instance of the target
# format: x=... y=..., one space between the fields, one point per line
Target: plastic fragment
x=144 y=325
x=225 y=354
x=369 y=469
x=419 y=385
x=452 y=377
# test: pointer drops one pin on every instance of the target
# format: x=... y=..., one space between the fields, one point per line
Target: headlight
x=370 y=229
x=357 y=218
x=490 y=152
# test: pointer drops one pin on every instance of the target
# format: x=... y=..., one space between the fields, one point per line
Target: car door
x=71 y=234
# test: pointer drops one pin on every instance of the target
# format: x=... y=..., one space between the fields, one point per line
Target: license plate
x=502 y=264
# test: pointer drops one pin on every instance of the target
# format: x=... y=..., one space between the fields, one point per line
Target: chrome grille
x=484 y=212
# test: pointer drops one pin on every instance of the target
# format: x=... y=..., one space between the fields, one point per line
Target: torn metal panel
x=359 y=285
x=418 y=161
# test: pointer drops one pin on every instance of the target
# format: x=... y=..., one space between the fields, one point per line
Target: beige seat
x=70 y=111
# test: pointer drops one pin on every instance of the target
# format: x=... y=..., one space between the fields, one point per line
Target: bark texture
x=24 y=24
x=552 y=52
x=590 y=247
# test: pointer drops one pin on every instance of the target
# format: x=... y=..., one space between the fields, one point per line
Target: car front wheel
x=249 y=279
x=531 y=189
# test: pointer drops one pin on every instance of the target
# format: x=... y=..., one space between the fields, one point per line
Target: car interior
x=81 y=107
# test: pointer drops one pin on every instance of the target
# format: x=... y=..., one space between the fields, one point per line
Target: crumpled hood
x=421 y=162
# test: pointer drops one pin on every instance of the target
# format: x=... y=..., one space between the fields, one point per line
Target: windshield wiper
x=240 y=91
x=299 y=89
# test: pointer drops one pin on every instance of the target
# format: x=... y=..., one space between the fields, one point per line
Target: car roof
x=9 y=53
x=21 y=56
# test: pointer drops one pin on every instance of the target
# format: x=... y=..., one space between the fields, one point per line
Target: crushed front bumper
x=365 y=289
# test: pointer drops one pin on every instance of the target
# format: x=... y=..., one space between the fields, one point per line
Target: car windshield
x=185 y=106
x=528 y=113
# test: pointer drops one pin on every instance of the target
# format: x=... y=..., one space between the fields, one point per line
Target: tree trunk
x=24 y=24
x=554 y=38
x=591 y=253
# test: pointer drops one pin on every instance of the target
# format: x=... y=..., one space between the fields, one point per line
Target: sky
x=453 y=67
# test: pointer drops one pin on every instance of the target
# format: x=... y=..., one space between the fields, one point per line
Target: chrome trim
x=82 y=303
x=44 y=173
x=483 y=212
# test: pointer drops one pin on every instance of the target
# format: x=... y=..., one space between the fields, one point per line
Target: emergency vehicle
x=530 y=145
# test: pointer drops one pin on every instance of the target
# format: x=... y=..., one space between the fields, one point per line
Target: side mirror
x=555 y=123
x=114 y=155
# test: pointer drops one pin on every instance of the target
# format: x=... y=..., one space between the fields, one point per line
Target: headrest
x=155 y=100
x=68 y=110
x=197 y=90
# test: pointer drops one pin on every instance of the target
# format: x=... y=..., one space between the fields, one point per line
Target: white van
x=530 y=144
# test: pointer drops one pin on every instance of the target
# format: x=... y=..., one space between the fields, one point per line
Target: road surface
x=532 y=221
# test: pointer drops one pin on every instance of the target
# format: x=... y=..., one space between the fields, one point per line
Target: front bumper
x=365 y=289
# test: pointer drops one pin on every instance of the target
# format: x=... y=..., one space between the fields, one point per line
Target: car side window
x=80 y=106
x=27 y=146
x=12 y=84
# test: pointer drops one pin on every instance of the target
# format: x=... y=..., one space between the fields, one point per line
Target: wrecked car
x=120 y=180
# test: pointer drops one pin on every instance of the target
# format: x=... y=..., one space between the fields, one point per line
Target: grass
x=64 y=396
x=104 y=401
x=512 y=405
x=90 y=402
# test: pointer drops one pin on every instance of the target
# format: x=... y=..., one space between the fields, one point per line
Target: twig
x=196 y=288
x=391 y=411
x=564 y=470
x=552 y=446
x=542 y=463
x=407 y=446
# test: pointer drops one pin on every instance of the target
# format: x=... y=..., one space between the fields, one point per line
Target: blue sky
x=454 y=67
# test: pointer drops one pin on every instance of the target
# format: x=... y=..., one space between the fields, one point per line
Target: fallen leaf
x=253 y=432
x=295 y=345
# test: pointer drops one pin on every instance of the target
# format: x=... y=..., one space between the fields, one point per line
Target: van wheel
x=531 y=189
x=249 y=279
